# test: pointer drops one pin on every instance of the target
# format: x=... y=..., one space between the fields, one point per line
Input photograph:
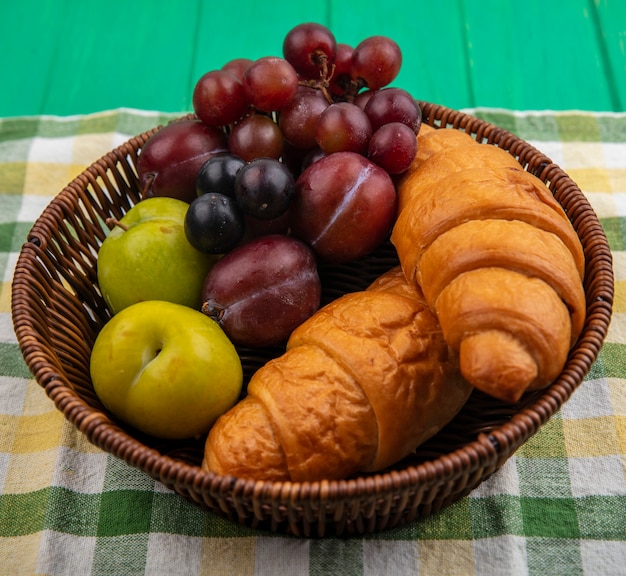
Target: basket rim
x=487 y=451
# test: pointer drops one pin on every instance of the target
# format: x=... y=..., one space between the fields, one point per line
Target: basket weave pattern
x=58 y=310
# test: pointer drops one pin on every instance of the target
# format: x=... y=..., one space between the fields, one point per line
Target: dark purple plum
x=343 y=207
x=261 y=291
x=170 y=159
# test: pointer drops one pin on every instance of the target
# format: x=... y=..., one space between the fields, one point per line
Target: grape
x=310 y=48
x=264 y=188
x=299 y=118
x=213 y=223
x=170 y=159
x=340 y=81
x=343 y=207
x=362 y=98
x=219 y=98
x=238 y=66
x=261 y=291
x=218 y=175
x=393 y=147
x=376 y=61
x=343 y=127
x=256 y=136
x=270 y=83
x=393 y=105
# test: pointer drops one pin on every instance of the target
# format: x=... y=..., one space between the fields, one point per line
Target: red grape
x=299 y=118
x=255 y=136
x=219 y=99
x=393 y=105
x=238 y=66
x=310 y=48
x=270 y=83
x=376 y=61
x=362 y=98
x=341 y=79
x=343 y=127
x=393 y=147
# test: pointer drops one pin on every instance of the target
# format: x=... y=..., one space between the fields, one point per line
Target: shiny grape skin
x=343 y=207
x=263 y=188
x=238 y=66
x=219 y=99
x=393 y=105
x=213 y=223
x=298 y=119
x=256 y=136
x=270 y=83
x=169 y=161
x=262 y=290
x=393 y=147
x=343 y=127
x=307 y=47
x=376 y=61
x=218 y=174
x=340 y=81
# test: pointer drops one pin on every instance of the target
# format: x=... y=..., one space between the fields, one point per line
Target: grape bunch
x=307 y=144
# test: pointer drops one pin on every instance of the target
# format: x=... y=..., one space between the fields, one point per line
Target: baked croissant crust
x=497 y=260
x=362 y=383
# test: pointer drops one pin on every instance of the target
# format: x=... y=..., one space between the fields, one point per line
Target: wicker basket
x=58 y=310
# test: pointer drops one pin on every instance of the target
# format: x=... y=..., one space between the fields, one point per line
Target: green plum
x=146 y=256
x=165 y=369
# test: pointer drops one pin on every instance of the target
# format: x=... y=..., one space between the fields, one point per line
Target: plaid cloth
x=558 y=506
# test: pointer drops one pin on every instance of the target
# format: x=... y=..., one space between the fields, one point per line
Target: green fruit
x=165 y=369
x=147 y=256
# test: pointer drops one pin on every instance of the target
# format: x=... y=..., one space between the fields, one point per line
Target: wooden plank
x=83 y=56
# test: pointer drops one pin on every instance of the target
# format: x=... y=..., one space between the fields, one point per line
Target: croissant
x=498 y=262
x=362 y=383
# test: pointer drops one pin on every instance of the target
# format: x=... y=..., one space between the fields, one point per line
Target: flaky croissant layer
x=363 y=382
x=497 y=260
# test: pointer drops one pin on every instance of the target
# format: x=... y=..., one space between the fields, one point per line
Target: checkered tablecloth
x=558 y=506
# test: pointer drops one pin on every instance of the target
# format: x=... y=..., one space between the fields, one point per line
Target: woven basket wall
x=58 y=310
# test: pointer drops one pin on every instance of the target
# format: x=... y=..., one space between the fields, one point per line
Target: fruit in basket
x=363 y=382
x=376 y=62
x=218 y=174
x=218 y=98
x=310 y=48
x=393 y=147
x=260 y=291
x=146 y=256
x=270 y=83
x=343 y=127
x=263 y=188
x=165 y=369
x=256 y=136
x=343 y=207
x=393 y=105
x=214 y=224
x=171 y=158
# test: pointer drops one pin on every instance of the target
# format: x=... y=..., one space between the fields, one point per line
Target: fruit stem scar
x=146 y=189
x=213 y=310
x=112 y=222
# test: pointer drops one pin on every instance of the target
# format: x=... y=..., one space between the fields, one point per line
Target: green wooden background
x=73 y=57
